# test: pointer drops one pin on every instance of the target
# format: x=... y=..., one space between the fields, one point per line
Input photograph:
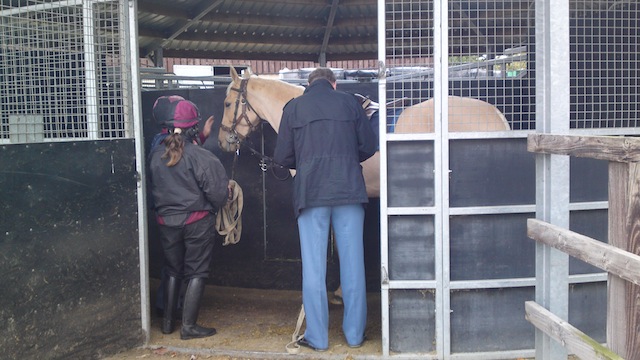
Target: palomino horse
x=252 y=99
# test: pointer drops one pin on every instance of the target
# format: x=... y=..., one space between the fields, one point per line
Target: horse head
x=250 y=100
x=239 y=118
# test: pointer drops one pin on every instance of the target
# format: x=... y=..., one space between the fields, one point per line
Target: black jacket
x=325 y=134
x=198 y=182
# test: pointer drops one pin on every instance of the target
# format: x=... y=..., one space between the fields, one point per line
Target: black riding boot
x=190 y=330
x=171 y=291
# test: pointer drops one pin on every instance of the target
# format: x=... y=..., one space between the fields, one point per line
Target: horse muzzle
x=232 y=138
x=231 y=142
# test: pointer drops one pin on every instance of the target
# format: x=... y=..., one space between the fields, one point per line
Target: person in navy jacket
x=324 y=134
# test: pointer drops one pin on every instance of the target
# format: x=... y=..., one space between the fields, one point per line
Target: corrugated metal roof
x=259 y=29
x=333 y=30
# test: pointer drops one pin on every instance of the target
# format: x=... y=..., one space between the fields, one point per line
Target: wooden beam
x=571 y=338
x=607 y=257
x=611 y=148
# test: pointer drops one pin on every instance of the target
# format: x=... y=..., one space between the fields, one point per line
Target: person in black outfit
x=188 y=186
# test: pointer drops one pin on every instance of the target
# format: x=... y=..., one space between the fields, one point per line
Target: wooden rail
x=619 y=257
x=573 y=339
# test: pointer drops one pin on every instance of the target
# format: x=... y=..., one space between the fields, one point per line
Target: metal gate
x=72 y=212
x=456 y=263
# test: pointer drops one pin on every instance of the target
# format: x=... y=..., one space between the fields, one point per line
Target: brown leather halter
x=266 y=162
x=241 y=102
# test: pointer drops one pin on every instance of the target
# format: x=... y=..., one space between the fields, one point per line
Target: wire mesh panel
x=604 y=64
x=491 y=58
x=491 y=85
x=490 y=77
x=410 y=64
x=61 y=66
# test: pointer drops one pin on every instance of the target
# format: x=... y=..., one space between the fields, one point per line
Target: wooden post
x=623 y=297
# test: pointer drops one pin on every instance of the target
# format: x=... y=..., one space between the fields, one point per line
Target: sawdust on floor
x=254 y=324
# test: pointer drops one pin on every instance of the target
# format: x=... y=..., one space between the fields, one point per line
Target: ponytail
x=174 y=144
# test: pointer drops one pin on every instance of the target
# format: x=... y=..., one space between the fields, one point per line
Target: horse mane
x=262 y=83
x=267 y=95
x=278 y=88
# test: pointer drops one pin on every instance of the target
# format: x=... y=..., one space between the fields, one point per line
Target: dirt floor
x=255 y=325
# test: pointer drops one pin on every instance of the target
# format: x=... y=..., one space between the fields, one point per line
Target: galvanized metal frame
x=141 y=194
x=89 y=83
x=441 y=163
x=129 y=110
x=440 y=209
x=552 y=179
x=384 y=225
x=552 y=185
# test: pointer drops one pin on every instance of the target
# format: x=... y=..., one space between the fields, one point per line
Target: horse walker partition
x=72 y=248
x=456 y=265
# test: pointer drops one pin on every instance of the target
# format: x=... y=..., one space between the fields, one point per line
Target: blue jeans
x=313 y=225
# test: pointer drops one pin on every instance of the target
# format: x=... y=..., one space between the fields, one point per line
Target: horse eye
x=227 y=104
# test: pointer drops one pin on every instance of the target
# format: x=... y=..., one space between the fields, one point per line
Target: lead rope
x=293 y=347
x=229 y=218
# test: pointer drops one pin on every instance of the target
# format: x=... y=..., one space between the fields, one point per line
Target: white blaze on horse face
x=239 y=118
x=228 y=139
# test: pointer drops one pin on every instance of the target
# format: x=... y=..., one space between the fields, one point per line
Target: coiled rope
x=229 y=218
x=293 y=347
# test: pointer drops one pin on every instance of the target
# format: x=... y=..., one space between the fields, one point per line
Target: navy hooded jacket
x=198 y=182
x=325 y=134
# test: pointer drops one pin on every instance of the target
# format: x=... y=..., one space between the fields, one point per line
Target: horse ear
x=247 y=73
x=234 y=74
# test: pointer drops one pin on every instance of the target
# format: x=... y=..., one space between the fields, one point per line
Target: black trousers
x=188 y=249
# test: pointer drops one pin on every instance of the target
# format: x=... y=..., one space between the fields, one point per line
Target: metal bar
x=552 y=171
x=493 y=210
x=441 y=179
x=46 y=6
x=181 y=29
x=412 y=284
x=522 y=282
x=474 y=65
x=40 y=7
x=91 y=81
x=384 y=224
x=136 y=113
x=322 y=60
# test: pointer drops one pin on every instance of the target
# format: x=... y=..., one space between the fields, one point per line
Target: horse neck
x=268 y=98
